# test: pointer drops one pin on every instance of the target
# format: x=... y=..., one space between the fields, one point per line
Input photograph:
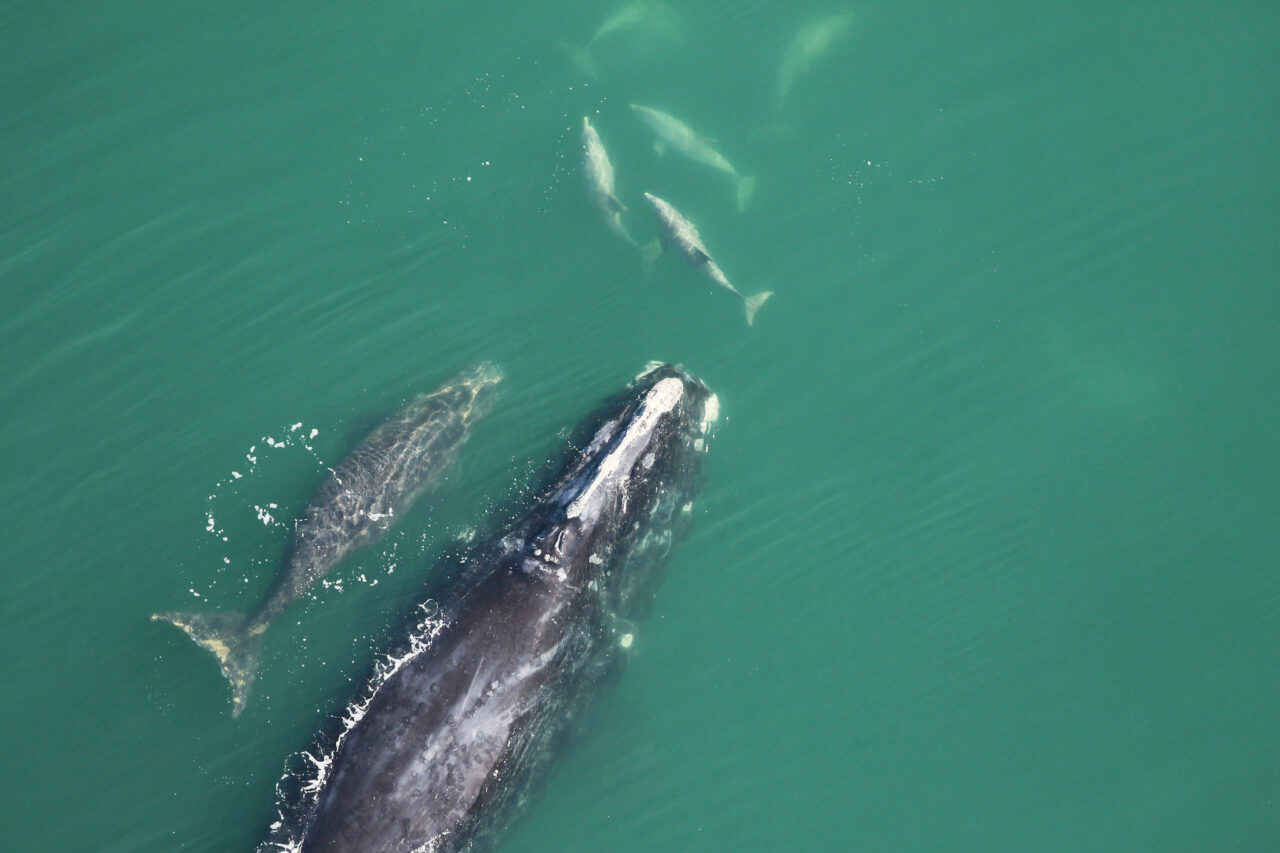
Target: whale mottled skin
x=452 y=738
x=361 y=498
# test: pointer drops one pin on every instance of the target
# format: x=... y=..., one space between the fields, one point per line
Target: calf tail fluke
x=753 y=304
x=223 y=633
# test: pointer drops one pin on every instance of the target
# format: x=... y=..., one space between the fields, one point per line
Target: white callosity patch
x=660 y=400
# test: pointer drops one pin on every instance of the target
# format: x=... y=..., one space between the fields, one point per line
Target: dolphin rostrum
x=670 y=131
x=683 y=235
x=361 y=498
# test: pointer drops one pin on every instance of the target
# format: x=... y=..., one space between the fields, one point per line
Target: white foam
x=420 y=639
x=710 y=411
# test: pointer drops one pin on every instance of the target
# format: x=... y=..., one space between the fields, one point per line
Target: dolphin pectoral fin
x=700 y=257
x=649 y=255
x=659 y=147
x=746 y=187
x=615 y=205
x=753 y=303
x=223 y=633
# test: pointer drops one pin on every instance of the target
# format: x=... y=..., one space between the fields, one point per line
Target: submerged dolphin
x=670 y=131
x=640 y=16
x=599 y=174
x=452 y=735
x=356 y=504
x=809 y=44
x=649 y=15
x=681 y=233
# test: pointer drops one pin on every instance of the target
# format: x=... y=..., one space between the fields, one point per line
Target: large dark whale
x=358 y=502
x=453 y=733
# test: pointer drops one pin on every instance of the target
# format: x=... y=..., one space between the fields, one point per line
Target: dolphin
x=681 y=233
x=810 y=43
x=360 y=499
x=670 y=131
x=640 y=16
x=599 y=174
x=648 y=15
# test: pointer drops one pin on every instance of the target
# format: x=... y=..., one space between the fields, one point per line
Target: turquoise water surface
x=987 y=557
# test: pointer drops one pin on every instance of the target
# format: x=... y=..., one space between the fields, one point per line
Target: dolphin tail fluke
x=649 y=254
x=622 y=232
x=753 y=304
x=580 y=57
x=746 y=186
x=222 y=632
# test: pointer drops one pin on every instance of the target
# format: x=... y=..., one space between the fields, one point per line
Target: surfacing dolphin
x=360 y=499
x=683 y=235
x=599 y=174
x=810 y=43
x=670 y=131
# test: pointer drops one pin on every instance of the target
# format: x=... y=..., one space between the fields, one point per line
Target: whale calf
x=360 y=499
x=670 y=131
x=679 y=232
x=453 y=734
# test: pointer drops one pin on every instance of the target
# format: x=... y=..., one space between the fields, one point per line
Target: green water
x=987 y=558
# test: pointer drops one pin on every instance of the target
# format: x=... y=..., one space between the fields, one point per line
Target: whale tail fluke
x=753 y=304
x=223 y=633
x=581 y=58
x=746 y=186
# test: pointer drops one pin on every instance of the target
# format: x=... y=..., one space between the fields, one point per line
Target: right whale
x=359 y=500
x=453 y=733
